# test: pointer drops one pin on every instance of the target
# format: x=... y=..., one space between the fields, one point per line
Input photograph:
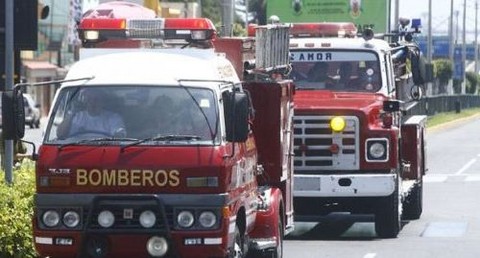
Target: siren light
x=99 y=29
x=324 y=29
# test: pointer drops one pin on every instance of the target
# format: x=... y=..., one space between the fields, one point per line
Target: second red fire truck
x=355 y=149
x=163 y=145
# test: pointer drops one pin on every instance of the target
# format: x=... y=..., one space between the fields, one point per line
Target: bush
x=16 y=211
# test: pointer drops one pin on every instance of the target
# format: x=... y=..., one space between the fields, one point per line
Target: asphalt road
x=450 y=223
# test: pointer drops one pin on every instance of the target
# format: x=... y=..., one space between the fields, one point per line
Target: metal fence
x=444 y=103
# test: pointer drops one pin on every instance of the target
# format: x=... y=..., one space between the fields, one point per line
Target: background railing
x=444 y=103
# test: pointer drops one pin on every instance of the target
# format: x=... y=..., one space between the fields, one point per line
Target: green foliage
x=16 y=211
x=472 y=82
x=443 y=70
x=211 y=10
x=457 y=86
x=443 y=118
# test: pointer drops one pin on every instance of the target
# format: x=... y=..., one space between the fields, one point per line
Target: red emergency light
x=189 y=29
x=102 y=24
x=324 y=29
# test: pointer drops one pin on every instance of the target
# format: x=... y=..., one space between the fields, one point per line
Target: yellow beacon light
x=337 y=124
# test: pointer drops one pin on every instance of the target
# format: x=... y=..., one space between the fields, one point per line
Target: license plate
x=306 y=184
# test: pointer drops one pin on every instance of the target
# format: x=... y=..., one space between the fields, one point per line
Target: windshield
x=121 y=115
x=336 y=70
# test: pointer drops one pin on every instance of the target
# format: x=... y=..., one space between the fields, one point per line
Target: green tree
x=211 y=9
x=443 y=71
x=259 y=7
x=472 y=82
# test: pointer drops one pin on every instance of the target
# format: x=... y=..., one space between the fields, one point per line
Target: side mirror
x=44 y=12
x=236 y=106
x=418 y=67
x=13 y=115
x=416 y=92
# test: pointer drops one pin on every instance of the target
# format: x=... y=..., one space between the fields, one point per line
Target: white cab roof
x=151 y=67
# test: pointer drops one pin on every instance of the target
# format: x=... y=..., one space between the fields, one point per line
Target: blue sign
x=441 y=46
x=458 y=65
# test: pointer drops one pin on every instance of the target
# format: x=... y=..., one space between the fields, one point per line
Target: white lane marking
x=370 y=255
x=445 y=229
x=472 y=178
x=466 y=166
x=434 y=178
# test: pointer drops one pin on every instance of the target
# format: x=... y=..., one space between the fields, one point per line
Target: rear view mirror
x=416 y=92
x=418 y=67
x=236 y=106
x=13 y=115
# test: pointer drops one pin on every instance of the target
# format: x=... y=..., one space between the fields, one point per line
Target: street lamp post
x=464 y=46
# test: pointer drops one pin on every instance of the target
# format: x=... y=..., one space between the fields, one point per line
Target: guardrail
x=444 y=103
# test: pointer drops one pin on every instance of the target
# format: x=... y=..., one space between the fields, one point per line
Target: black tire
x=37 y=124
x=388 y=217
x=32 y=125
x=413 y=205
x=238 y=248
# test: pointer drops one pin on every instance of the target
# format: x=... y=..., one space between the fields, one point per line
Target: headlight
x=147 y=219
x=377 y=150
x=51 y=218
x=106 y=219
x=157 y=246
x=185 y=219
x=71 y=219
x=207 y=219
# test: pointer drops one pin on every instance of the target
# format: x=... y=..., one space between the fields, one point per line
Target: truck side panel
x=413 y=147
x=273 y=127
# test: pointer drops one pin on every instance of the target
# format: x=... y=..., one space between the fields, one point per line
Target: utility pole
x=452 y=47
x=457 y=13
x=9 y=70
x=227 y=17
x=464 y=46
x=246 y=14
x=476 y=40
x=430 y=45
x=397 y=14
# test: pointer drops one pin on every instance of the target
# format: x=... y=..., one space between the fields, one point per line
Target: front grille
x=313 y=142
x=127 y=214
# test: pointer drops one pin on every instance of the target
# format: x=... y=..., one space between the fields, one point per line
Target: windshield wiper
x=171 y=137
x=101 y=139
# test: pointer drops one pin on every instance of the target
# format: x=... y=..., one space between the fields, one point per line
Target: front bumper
x=345 y=185
x=125 y=238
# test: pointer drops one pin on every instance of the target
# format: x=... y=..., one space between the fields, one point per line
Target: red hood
x=135 y=170
x=307 y=100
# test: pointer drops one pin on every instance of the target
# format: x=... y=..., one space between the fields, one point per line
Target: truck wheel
x=388 y=217
x=237 y=250
x=277 y=252
x=413 y=205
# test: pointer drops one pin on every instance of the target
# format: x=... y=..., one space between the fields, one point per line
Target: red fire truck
x=165 y=144
x=356 y=150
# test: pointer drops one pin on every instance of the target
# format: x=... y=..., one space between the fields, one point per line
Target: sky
x=440 y=14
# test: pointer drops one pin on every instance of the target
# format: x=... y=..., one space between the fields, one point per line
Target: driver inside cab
x=93 y=119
